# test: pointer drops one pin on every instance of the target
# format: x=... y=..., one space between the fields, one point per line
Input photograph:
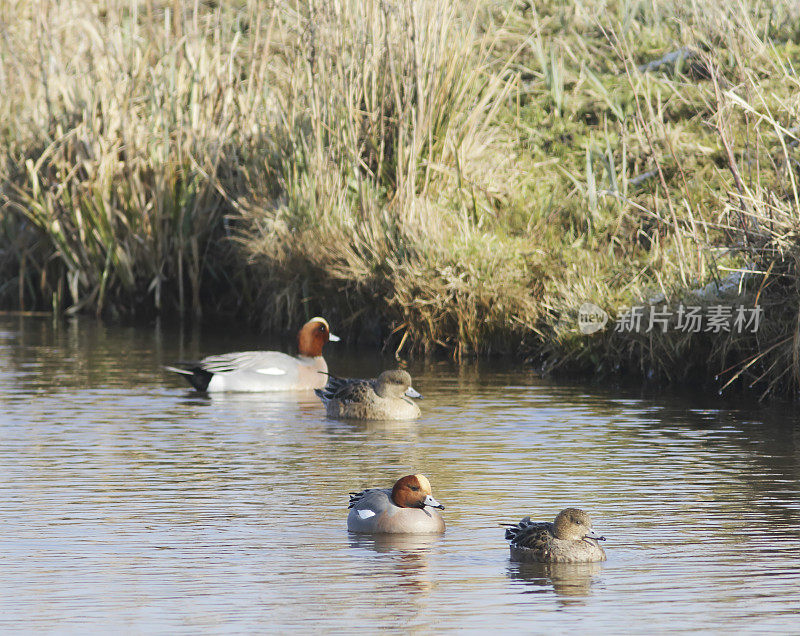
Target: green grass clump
x=432 y=175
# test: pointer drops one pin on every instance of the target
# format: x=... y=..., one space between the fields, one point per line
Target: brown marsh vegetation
x=437 y=175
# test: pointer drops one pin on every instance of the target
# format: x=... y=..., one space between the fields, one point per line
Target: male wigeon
x=383 y=399
x=569 y=539
x=407 y=507
x=265 y=370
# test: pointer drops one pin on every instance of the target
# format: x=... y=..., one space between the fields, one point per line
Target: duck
x=568 y=539
x=386 y=398
x=406 y=508
x=256 y=371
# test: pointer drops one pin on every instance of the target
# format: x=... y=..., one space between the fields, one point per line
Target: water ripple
x=130 y=503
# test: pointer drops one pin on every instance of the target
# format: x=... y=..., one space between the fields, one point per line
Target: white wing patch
x=366 y=514
x=271 y=371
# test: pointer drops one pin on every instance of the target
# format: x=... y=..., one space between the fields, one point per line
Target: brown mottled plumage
x=386 y=398
x=569 y=539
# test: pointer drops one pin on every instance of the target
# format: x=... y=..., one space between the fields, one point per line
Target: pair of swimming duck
x=386 y=398
x=409 y=506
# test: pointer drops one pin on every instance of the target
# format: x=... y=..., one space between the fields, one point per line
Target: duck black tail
x=196 y=375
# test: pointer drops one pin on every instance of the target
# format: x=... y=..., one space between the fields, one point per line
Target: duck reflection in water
x=572 y=582
x=242 y=406
x=407 y=556
x=404 y=427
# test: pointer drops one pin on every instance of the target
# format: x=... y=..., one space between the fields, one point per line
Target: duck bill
x=594 y=535
x=333 y=338
x=430 y=501
x=412 y=392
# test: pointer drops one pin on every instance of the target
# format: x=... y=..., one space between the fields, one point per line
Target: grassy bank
x=432 y=175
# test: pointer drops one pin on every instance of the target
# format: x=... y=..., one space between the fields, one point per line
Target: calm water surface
x=130 y=503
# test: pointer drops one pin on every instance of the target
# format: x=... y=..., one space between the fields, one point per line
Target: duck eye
x=414 y=488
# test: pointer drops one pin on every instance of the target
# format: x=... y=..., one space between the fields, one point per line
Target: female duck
x=569 y=539
x=407 y=508
x=383 y=399
x=266 y=370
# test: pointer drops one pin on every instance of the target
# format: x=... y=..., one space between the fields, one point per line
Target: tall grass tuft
x=122 y=146
x=393 y=172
